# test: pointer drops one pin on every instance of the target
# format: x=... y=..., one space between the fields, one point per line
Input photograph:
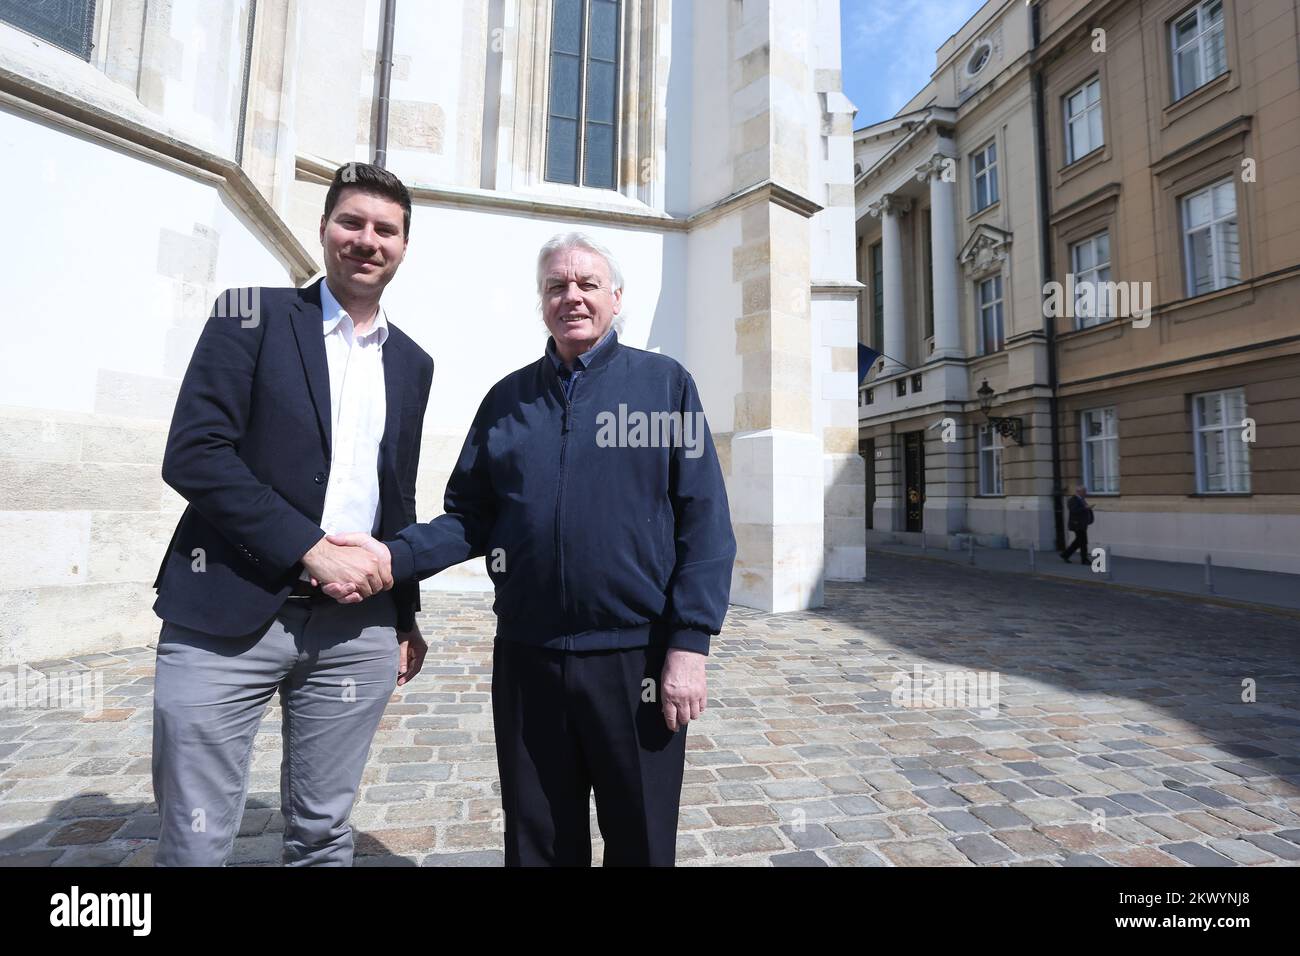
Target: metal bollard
x=922 y=542
x=971 y=558
x=1031 y=558
x=1209 y=575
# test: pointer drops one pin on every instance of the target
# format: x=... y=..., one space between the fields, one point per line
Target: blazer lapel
x=308 y=329
x=393 y=380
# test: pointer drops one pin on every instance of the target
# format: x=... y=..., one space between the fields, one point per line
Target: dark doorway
x=868 y=452
x=914 y=479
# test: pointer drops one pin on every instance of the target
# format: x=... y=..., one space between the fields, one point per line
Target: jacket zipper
x=559 y=499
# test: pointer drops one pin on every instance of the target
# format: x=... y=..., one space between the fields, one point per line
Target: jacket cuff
x=690 y=639
x=403 y=561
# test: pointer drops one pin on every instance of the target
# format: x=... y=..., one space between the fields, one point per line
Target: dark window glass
x=582 y=132
x=878 y=297
x=69 y=24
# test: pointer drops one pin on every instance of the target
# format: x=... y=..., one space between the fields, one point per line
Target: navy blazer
x=249 y=449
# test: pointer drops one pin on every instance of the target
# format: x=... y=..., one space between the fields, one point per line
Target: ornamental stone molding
x=987 y=250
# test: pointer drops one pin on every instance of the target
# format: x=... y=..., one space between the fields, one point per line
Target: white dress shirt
x=357 y=411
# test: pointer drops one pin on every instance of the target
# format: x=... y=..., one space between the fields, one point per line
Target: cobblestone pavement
x=1118 y=735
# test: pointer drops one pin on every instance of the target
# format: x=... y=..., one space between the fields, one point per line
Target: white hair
x=577 y=240
x=562 y=242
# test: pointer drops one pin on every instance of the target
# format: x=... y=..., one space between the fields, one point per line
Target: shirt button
x=320 y=478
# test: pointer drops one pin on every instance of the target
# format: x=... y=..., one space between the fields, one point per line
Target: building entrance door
x=914 y=479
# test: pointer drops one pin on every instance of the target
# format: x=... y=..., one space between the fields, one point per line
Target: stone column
x=888 y=208
x=939 y=170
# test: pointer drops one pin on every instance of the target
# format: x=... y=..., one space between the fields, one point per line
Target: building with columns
x=1090 y=215
x=948 y=245
x=170 y=150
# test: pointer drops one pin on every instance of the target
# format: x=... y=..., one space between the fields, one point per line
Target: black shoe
x=1064 y=557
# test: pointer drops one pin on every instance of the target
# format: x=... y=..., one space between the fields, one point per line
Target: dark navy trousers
x=568 y=722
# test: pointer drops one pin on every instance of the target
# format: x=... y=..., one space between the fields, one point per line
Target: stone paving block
x=923 y=853
x=1196 y=854
x=803 y=858
x=736 y=842
x=1280 y=848
x=809 y=837
x=982 y=849
x=853 y=856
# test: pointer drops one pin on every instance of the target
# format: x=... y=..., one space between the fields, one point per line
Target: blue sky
x=888 y=49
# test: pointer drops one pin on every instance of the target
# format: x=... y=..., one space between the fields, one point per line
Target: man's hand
x=345 y=592
x=410 y=655
x=357 y=571
x=683 y=688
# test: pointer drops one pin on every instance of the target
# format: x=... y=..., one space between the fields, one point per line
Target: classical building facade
x=947 y=247
x=1172 y=156
x=169 y=151
x=1094 y=208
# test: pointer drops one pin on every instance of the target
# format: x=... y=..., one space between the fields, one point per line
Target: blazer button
x=320 y=478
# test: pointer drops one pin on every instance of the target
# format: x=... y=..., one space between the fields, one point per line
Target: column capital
x=940 y=167
x=890 y=204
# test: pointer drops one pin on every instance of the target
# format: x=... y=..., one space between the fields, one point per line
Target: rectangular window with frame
x=878 y=297
x=1199 y=50
x=1222 y=454
x=989 y=296
x=1090 y=263
x=68 y=24
x=582 y=112
x=990 y=458
x=1083 y=131
x=984 y=176
x=1210 y=242
x=1100 y=437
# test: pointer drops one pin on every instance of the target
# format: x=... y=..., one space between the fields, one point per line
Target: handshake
x=349 y=567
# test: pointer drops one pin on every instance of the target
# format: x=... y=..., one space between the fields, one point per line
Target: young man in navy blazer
x=300 y=415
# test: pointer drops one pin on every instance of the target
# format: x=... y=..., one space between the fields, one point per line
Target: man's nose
x=573 y=293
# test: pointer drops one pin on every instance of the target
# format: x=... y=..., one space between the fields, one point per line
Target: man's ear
x=618 y=300
x=322 y=230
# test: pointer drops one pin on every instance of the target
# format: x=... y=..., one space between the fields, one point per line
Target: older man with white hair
x=590 y=483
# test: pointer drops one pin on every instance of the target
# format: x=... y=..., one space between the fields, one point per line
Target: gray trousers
x=334 y=666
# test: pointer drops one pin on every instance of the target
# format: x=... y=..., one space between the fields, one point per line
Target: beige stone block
x=39 y=439
x=756 y=133
x=722 y=442
x=753 y=333
x=841 y=441
x=750 y=168
x=753 y=411
x=125 y=444
x=126 y=546
x=416 y=125
x=45 y=547
x=792 y=411
x=755 y=295
x=59 y=486
x=751 y=260
x=790 y=334
x=48 y=622
x=755 y=222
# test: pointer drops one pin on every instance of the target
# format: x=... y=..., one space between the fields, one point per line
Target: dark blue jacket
x=249 y=449
x=590 y=546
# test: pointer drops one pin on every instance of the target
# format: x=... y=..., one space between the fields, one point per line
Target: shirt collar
x=332 y=314
x=585 y=358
